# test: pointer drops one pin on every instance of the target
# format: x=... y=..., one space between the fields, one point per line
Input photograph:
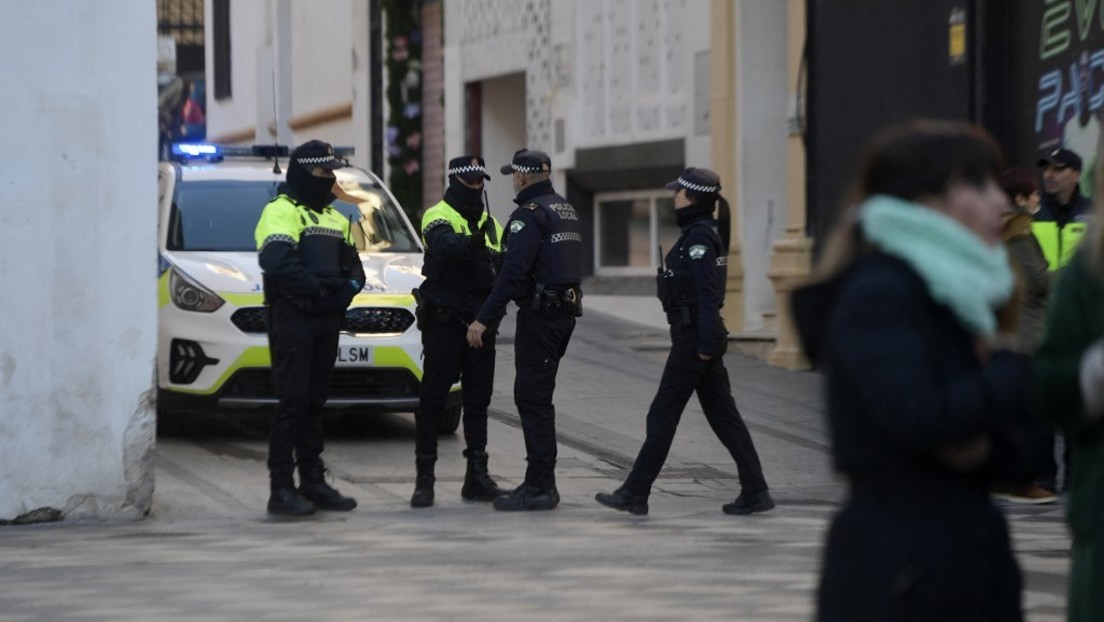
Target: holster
x=566 y=302
x=663 y=290
x=423 y=309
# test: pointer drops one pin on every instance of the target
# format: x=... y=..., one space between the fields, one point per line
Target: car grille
x=377 y=320
x=347 y=383
x=359 y=320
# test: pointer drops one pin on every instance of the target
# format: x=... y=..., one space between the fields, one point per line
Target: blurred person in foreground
x=909 y=314
x=1069 y=381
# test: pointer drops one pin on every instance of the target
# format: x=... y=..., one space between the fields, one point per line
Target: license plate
x=354 y=355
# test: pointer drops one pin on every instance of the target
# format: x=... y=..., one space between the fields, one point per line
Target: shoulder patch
x=516 y=225
x=697 y=251
x=531 y=205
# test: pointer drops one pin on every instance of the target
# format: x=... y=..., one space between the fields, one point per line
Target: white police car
x=212 y=342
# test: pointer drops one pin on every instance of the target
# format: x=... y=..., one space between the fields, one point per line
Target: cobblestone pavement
x=209 y=552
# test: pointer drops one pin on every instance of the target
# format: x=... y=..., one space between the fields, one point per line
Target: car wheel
x=169 y=422
x=451 y=421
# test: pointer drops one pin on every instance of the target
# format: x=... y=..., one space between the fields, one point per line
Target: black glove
x=478 y=241
x=337 y=300
x=331 y=284
x=346 y=294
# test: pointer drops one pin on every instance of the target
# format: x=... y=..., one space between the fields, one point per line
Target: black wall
x=872 y=63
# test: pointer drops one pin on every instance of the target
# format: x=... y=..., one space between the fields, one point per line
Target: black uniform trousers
x=447 y=354
x=684 y=374
x=304 y=347
x=540 y=341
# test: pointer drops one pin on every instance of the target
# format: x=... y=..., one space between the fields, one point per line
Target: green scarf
x=960 y=270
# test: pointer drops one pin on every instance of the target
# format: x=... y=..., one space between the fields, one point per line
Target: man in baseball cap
x=1061 y=158
x=1060 y=222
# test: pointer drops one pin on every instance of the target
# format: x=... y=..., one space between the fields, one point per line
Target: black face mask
x=314 y=192
x=467 y=201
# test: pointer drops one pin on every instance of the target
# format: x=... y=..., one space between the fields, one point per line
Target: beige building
x=623 y=94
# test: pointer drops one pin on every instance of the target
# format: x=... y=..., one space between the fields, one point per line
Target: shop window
x=629 y=229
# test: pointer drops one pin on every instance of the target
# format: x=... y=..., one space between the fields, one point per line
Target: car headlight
x=188 y=295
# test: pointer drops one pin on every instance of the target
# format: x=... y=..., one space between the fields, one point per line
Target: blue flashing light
x=196 y=150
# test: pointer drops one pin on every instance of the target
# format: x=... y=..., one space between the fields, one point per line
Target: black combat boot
x=528 y=497
x=317 y=491
x=749 y=503
x=423 y=483
x=478 y=485
x=622 y=499
x=286 y=501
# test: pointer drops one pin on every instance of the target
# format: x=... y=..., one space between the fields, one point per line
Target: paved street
x=208 y=551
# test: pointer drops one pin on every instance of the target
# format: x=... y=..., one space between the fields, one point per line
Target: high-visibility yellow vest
x=443 y=212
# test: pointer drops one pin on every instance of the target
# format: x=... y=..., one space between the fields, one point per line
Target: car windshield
x=222 y=215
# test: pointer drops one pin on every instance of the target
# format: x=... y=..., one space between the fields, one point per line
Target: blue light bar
x=195 y=150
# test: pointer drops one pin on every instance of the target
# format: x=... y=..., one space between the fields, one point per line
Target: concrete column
x=722 y=69
x=274 y=79
x=791 y=256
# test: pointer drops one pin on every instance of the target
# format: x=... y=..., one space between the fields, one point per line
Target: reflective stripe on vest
x=445 y=213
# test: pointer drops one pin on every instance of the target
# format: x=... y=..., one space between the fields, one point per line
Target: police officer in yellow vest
x=1060 y=222
x=311 y=274
x=463 y=248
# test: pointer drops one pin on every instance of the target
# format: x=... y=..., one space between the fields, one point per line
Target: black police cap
x=469 y=168
x=317 y=153
x=528 y=162
x=700 y=180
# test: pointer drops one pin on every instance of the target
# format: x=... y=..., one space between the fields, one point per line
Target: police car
x=212 y=341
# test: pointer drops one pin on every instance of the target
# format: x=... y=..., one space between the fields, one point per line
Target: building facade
x=622 y=95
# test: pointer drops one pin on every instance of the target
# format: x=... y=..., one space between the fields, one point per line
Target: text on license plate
x=354 y=355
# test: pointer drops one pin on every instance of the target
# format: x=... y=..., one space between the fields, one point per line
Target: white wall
x=761 y=91
x=613 y=72
x=320 y=76
x=77 y=265
x=503 y=134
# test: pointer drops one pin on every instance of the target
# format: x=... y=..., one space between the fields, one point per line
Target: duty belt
x=683 y=315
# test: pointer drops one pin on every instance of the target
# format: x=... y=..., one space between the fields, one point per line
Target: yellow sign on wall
x=957 y=47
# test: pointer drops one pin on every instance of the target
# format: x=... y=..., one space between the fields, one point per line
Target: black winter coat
x=917 y=539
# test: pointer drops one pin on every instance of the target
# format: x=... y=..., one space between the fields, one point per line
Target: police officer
x=311 y=273
x=541 y=271
x=691 y=289
x=1059 y=225
x=1060 y=222
x=463 y=245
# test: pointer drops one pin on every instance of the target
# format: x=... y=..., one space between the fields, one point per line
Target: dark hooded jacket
x=917 y=539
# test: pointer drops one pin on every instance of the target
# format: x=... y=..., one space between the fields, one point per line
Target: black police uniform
x=692 y=292
x=311 y=274
x=462 y=243
x=541 y=271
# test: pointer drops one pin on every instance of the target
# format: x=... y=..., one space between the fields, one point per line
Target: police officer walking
x=463 y=246
x=541 y=271
x=691 y=289
x=311 y=274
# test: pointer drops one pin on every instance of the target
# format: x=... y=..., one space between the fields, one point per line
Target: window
x=629 y=229
x=222 y=216
x=220 y=17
